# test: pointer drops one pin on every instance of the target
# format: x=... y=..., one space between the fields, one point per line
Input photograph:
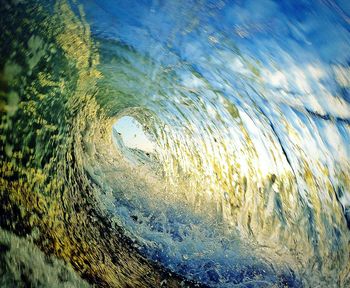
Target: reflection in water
x=173 y=144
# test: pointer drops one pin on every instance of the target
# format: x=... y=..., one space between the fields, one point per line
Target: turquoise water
x=206 y=143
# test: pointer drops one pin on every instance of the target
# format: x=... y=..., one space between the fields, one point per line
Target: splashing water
x=179 y=143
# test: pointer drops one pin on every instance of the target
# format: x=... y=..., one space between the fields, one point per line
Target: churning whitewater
x=175 y=143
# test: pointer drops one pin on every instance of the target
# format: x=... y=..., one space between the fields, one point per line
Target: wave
x=248 y=180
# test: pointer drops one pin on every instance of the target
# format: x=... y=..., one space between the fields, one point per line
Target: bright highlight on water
x=175 y=143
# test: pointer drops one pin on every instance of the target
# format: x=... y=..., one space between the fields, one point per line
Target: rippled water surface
x=175 y=143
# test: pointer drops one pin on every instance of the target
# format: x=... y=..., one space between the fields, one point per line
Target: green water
x=122 y=218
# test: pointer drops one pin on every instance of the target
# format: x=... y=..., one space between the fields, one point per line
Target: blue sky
x=132 y=134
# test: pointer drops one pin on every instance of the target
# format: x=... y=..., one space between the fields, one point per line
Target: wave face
x=247 y=108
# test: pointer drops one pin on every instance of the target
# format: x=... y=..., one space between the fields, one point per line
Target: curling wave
x=247 y=182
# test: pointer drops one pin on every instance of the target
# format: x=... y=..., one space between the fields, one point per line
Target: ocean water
x=177 y=143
